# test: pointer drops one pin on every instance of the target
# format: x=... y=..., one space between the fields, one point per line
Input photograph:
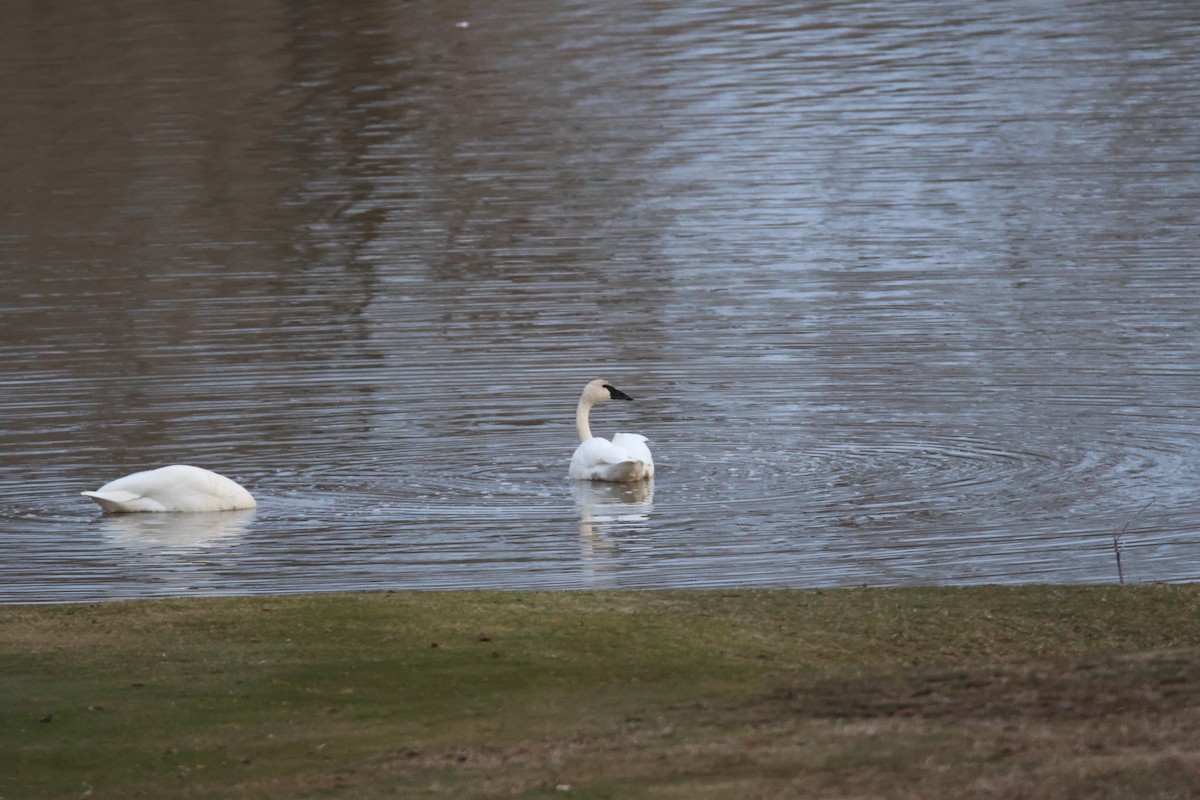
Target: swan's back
x=626 y=458
x=178 y=487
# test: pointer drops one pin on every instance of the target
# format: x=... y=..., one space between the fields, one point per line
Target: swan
x=626 y=458
x=174 y=488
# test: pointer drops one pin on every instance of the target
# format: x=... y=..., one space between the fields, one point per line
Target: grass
x=902 y=693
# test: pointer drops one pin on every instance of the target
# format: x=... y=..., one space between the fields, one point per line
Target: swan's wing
x=634 y=444
x=597 y=451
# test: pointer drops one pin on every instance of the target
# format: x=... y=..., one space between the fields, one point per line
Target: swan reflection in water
x=607 y=511
x=175 y=532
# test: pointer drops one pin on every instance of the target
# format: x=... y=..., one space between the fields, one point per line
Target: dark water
x=906 y=292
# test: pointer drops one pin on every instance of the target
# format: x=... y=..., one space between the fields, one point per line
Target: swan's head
x=601 y=391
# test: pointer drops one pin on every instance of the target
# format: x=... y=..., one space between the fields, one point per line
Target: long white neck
x=581 y=419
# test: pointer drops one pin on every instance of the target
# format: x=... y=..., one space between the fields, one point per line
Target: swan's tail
x=112 y=501
x=629 y=471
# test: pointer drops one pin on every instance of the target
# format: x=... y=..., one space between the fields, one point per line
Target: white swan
x=626 y=458
x=174 y=488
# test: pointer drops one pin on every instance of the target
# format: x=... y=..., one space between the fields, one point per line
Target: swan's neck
x=581 y=420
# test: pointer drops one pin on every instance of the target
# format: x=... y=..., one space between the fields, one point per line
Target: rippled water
x=906 y=292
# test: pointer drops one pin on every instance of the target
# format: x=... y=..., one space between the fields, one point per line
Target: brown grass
x=981 y=692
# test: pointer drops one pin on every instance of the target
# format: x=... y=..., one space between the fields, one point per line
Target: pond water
x=905 y=292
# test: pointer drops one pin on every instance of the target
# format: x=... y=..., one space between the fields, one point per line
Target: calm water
x=906 y=292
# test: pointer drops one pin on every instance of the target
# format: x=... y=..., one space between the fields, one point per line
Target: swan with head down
x=625 y=459
x=178 y=487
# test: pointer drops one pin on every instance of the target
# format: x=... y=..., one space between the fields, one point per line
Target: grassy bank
x=964 y=692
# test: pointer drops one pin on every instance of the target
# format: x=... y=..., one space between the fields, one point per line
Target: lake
x=904 y=292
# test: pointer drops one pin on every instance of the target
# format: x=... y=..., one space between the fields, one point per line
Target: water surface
x=906 y=292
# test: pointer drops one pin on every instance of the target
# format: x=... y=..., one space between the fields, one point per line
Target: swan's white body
x=626 y=458
x=174 y=488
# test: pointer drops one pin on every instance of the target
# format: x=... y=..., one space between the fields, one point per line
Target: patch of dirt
x=1146 y=683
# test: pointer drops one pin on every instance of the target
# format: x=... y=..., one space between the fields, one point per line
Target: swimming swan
x=174 y=488
x=626 y=458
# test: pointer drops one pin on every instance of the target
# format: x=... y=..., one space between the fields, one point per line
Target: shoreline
x=19 y=602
